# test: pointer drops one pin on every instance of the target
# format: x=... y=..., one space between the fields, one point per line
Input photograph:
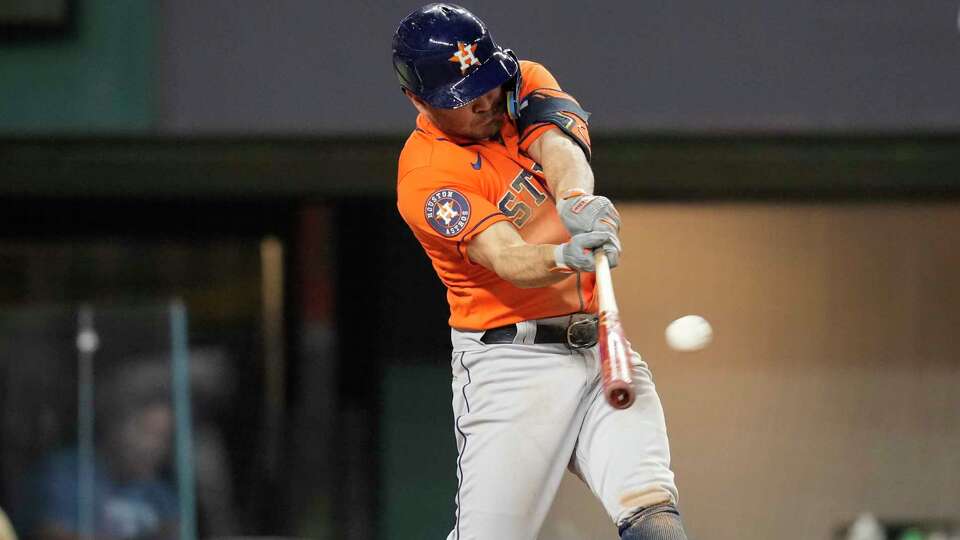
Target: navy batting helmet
x=445 y=55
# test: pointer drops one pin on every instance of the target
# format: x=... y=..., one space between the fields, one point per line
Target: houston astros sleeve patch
x=447 y=211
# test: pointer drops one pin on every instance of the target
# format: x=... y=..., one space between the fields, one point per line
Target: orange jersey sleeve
x=444 y=212
x=536 y=76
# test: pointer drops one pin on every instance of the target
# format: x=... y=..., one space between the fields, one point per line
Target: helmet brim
x=496 y=71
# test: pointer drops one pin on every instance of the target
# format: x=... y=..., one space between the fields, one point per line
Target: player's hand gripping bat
x=614 y=347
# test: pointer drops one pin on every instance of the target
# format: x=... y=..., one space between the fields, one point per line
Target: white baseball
x=689 y=333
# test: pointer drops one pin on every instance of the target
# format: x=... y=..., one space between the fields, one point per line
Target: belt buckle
x=582 y=334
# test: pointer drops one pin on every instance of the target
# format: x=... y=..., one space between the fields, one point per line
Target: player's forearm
x=564 y=164
x=528 y=265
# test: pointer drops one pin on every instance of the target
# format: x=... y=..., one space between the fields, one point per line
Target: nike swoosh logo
x=478 y=164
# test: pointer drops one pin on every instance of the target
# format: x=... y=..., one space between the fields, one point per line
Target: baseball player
x=496 y=185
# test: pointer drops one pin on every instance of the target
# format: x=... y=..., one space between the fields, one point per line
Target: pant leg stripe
x=463 y=435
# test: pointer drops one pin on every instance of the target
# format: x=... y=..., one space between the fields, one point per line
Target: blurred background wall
x=791 y=172
x=293 y=66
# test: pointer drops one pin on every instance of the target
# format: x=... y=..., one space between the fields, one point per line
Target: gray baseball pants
x=523 y=412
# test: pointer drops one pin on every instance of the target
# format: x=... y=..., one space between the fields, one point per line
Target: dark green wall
x=418 y=453
x=97 y=79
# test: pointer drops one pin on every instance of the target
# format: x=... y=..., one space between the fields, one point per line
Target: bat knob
x=620 y=396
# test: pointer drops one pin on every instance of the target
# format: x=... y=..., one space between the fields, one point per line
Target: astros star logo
x=447 y=213
x=465 y=56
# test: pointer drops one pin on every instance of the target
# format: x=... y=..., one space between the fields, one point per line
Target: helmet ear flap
x=407 y=75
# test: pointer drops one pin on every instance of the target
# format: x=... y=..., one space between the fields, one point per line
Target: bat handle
x=606 y=300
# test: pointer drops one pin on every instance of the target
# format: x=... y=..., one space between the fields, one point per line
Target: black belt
x=578 y=335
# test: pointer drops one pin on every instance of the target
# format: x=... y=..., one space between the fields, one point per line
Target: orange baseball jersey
x=449 y=193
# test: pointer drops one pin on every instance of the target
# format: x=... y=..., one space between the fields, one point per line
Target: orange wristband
x=571 y=193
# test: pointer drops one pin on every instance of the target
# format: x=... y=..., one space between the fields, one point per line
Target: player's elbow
x=526 y=283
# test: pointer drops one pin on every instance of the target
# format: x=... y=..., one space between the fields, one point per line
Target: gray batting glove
x=577 y=254
x=582 y=213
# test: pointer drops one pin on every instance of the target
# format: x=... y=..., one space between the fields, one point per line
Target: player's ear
x=420 y=104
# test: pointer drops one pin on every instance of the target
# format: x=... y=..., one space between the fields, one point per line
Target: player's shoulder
x=427 y=155
x=531 y=67
x=417 y=153
x=536 y=75
x=431 y=171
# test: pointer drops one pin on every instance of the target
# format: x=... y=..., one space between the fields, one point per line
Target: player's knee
x=657 y=522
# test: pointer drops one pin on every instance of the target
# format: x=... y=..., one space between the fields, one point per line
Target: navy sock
x=659 y=522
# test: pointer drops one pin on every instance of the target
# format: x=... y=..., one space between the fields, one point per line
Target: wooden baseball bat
x=614 y=347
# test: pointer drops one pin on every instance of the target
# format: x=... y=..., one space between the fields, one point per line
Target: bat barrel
x=614 y=347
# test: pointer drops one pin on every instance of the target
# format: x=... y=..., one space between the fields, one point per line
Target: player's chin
x=491 y=128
